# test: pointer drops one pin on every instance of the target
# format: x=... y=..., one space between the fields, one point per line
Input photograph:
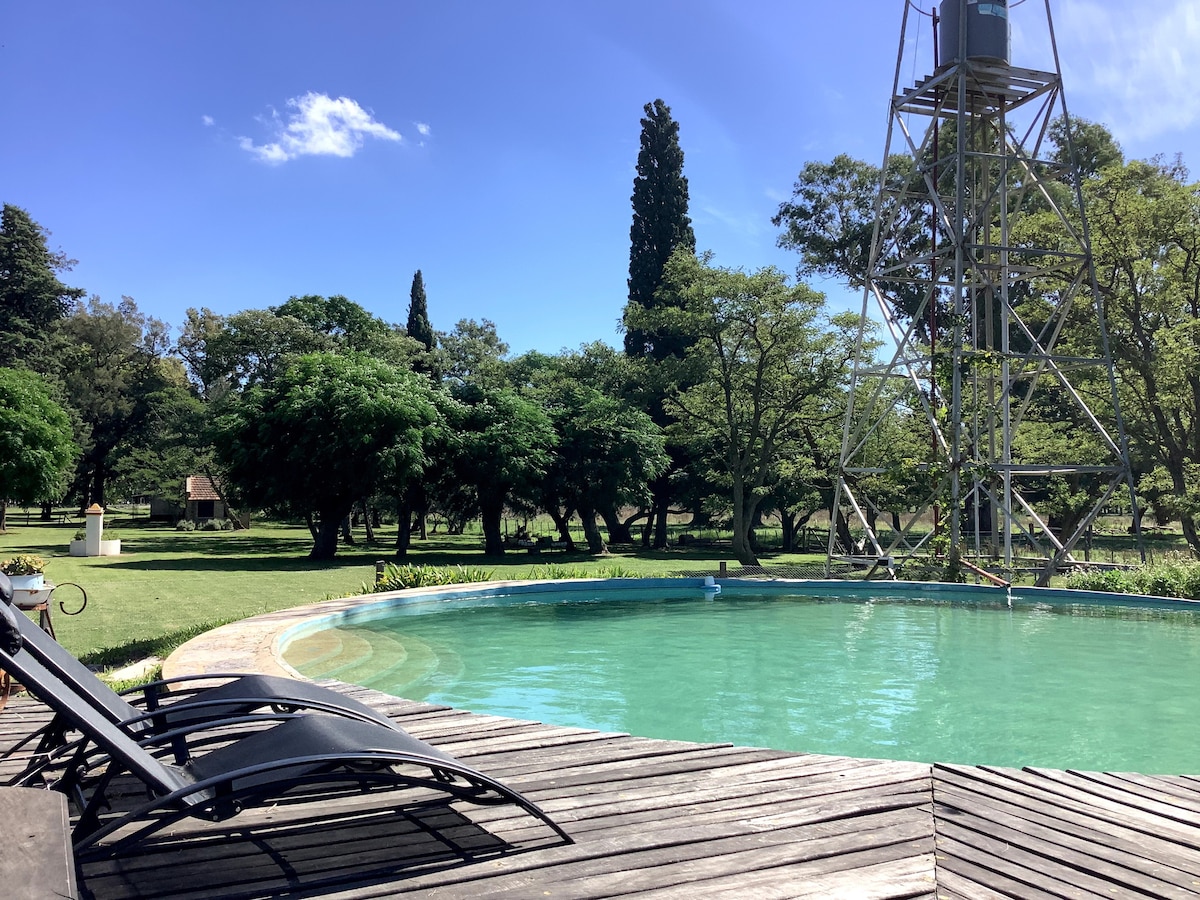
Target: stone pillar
x=95 y=528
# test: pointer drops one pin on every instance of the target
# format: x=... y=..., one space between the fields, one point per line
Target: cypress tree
x=660 y=224
x=418 y=313
x=32 y=298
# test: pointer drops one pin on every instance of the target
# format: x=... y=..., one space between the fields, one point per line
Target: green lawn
x=168 y=583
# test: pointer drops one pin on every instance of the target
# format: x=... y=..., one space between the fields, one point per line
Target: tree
x=831 y=216
x=660 y=225
x=36 y=447
x=114 y=372
x=1145 y=227
x=417 y=325
x=32 y=298
x=249 y=347
x=763 y=362
x=224 y=353
x=500 y=444
x=323 y=434
x=607 y=452
x=474 y=354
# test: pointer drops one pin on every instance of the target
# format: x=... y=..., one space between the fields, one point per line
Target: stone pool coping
x=257 y=644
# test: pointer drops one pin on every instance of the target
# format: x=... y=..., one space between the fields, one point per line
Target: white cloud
x=423 y=129
x=208 y=121
x=318 y=125
x=1134 y=63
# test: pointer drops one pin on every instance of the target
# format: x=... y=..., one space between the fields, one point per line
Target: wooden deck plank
x=1073 y=817
x=1068 y=865
x=1089 y=804
x=692 y=864
x=1026 y=828
x=1018 y=878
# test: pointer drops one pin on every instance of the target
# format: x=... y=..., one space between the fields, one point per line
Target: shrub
x=1113 y=581
x=1178 y=578
x=227 y=525
x=211 y=525
x=398 y=578
x=105 y=535
x=185 y=525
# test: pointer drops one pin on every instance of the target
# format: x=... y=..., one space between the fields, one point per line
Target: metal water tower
x=973 y=431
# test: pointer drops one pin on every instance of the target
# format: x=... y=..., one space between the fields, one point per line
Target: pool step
x=374 y=653
x=376 y=659
x=316 y=654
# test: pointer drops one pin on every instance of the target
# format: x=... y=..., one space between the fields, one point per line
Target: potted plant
x=110 y=544
x=25 y=572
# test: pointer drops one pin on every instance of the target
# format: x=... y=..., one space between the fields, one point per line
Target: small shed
x=203 y=500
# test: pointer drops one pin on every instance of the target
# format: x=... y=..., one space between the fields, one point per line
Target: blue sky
x=232 y=153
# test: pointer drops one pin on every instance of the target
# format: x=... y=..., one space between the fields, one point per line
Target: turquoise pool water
x=1071 y=686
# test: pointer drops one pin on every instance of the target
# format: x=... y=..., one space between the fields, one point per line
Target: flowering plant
x=25 y=564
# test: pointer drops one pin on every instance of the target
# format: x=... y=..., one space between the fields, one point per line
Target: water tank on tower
x=987 y=31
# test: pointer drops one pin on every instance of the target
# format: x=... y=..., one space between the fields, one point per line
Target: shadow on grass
x=287 y=554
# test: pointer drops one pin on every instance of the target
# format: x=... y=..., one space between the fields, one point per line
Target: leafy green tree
x=114 y=373
x=238 y=351
x=830 y=221
x=763 y=361
x=500 y=444
x=660 y=225
x=474 y=354
x=323 y=434
x=1145 y=226
x=607 y=453
x=249 y=347
x=36 y=446
x=32 y=299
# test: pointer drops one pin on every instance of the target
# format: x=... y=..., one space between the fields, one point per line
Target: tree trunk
x=311 y=523
x=369 y=522
x=491 y=514
x=595 y=540
x=787 y=528
x=98 y=479
x=842 y=526
x=47 y=512
x=3 y=517
x=325 y=545
x=403 y=527
x=562 y=524
x=347 y=532
x=618 y=531
x=743 y=521
x=1189 y=532
x=661 y=540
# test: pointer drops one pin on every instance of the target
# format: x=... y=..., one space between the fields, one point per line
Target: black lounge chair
x=315 y=752
x=238 y=695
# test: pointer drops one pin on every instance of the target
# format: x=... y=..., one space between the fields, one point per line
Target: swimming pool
x=905 y=672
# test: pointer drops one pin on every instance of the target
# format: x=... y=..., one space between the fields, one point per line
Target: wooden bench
x=37 y=861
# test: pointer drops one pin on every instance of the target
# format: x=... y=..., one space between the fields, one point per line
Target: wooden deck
x=665 y=819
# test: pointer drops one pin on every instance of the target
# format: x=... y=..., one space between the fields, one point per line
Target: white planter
x=28 y=582
x=107 y=548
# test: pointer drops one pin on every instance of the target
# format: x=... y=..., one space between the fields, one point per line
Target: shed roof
x=201 y=487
